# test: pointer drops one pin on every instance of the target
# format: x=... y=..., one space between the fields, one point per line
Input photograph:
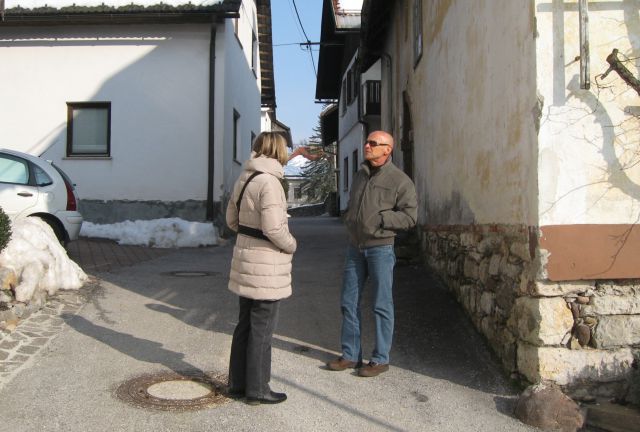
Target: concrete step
x=613 y=417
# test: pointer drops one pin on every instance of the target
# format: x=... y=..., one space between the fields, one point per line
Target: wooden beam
x=583 y=12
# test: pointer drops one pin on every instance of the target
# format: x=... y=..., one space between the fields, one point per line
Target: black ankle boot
x=271 y=398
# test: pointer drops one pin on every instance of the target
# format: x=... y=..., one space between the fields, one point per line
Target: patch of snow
x=39 y=260
x=160 y=233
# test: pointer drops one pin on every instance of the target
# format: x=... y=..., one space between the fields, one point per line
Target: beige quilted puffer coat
x=261 y=269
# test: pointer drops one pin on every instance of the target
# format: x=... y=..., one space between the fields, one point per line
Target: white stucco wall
x=471 y=98
x=350 y=138
x=239 y=90
x=588 y=161
x=156 y=78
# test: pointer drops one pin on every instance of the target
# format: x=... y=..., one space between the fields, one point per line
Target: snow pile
x=160 y=233
x=39 y=261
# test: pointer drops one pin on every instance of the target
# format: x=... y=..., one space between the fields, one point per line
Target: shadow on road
x=432 y=336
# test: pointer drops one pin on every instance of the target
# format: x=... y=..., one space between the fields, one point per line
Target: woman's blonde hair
x=273 y=145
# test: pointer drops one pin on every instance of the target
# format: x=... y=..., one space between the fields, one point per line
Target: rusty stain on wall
x=483 y=168
x=436 y=14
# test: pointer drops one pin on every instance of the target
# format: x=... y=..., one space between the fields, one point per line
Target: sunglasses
x=373 y=143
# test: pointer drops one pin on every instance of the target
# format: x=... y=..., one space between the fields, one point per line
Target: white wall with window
x=239 y=90
x=351 y=131
x=124 y=109
x=150 y=77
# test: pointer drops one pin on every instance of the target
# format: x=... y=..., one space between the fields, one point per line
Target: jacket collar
x=264 y=164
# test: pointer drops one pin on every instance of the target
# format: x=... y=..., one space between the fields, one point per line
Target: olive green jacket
x=380 y=205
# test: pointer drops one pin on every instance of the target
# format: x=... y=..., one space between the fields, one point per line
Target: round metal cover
x=172 y=391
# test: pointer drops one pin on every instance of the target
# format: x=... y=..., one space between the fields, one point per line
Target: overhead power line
x=308 y=43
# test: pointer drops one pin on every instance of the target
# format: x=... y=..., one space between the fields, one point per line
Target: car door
x=17 y=196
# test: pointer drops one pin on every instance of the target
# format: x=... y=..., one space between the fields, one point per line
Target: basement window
x=89 y=129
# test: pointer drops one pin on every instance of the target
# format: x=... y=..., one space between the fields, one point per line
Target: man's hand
x=304 y=152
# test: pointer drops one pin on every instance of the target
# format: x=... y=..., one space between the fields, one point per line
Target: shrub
x=5 y=229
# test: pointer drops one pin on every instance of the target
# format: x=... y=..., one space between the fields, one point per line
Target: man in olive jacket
x=382 y=201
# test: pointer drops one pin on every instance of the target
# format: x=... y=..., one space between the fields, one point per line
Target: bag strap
x=242 y=229
x=251 y=177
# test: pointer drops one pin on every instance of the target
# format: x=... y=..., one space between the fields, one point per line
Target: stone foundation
x=582 y=335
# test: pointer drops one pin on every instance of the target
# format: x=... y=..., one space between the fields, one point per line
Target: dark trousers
x=250 y=363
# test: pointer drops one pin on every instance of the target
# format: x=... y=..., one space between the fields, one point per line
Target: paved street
x=170 y=310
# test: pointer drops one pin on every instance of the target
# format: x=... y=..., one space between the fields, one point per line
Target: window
x=88 y=128
x=343 y=97
x=236 y=120
x=297 y=192
x=13 y=170
x=354 y=162
x=417 y=31
x=345 y=178
x=42 y=178
x=254 y=53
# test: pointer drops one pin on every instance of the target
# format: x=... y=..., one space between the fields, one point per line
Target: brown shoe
x=341 y=364
x=373 y=369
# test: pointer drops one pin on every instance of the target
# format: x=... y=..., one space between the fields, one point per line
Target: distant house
x=151 y=107
x=523 y=144
x=352 y=92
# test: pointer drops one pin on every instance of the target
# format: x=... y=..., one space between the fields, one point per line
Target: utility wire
x=308 y=47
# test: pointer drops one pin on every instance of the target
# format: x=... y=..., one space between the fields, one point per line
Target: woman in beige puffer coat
x=260 y=268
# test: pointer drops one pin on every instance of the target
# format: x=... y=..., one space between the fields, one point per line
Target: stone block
x=613 y=418
x=617 y=330
x=469 y=240
x=470 y=269
x=520 y=250
x=505 y=294
x=494 y=264
x=489 y=245
x=541 y=321
x=544 y=406
x=554 y=289
x=487 y=302
x=483 y=271
x=615 y=300
x=565 y=367
x=512 y=271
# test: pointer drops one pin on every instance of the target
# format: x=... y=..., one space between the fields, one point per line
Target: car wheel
x=58 y=230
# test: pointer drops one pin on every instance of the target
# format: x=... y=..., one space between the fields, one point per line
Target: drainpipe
x=212 y=128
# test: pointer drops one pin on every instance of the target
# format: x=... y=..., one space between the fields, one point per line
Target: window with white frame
x=88 y=129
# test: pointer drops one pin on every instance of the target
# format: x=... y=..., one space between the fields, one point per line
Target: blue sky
x=295 y=79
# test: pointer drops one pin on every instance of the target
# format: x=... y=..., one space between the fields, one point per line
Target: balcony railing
x=371 y=98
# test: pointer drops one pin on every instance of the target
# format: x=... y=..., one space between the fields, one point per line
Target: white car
x=32 y=186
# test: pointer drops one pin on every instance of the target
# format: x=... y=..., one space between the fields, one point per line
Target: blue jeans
x=375 y=263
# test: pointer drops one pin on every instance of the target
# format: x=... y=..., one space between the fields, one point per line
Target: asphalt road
x=144 y=319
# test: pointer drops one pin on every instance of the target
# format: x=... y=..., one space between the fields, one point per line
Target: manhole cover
x=171 y=391
x=191 y=273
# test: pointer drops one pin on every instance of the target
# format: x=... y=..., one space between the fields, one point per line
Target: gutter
x=212 y=126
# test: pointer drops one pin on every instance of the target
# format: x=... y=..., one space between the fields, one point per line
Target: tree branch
x=616 y=65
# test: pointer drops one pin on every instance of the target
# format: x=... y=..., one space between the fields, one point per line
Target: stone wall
x=583 y=335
